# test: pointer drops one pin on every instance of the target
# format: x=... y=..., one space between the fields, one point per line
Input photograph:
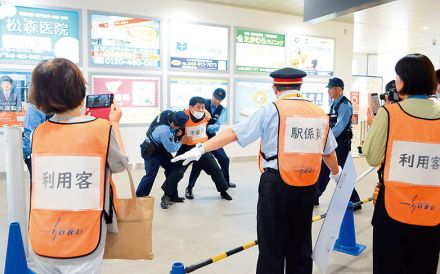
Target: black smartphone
x=99 y=101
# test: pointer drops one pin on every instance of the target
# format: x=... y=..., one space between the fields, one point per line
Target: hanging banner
x=250 y=95
x=199 y=47
x=257 y=51
x=182 y=89
x=14 y=90
x=30 y=35
x=138 y=97
x=124 y=41
x=313 y=55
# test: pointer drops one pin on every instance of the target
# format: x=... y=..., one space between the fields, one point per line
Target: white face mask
x=198 y=114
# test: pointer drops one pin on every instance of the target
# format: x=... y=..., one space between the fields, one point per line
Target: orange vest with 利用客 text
x=412 y=168
x=196 y=132
x=302 y=134
x=68 y=187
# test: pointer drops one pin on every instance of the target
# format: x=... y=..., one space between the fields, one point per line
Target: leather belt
x=271 y=170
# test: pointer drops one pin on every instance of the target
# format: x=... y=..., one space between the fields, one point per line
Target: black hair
x=196 y=100
x=6 y=79
x=437 y=73
x=417 y=73
x=281 y=88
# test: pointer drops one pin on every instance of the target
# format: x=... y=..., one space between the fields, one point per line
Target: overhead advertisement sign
x=124 y=41
x=257 y=51
x=182 y=89
x=30 y=35
x=198 y=47
x=137 y=96
x=250 y=96
x=14 y=92
x=314 y=55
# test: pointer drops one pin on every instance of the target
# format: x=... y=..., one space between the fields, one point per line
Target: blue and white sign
x=30 y=35
x=198 y=47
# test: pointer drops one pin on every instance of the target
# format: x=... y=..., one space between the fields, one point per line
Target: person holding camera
x=73 y=157
x=390 y=96
x=340 y=115
x=404 y=141
x=162 y=139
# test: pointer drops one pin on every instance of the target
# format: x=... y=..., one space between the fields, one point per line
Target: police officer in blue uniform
x=340 y=115
x=284 y=212
x=162 y=138
x=218 y=115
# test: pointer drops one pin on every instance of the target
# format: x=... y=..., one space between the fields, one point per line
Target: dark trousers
x=284 y=226
x=206 y=163
x=223 y=161
x=160 y=158
x=400 y=248
x=341 y=152
x=28 y=163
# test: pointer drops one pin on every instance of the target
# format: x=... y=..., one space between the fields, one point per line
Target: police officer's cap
x=390 y=86
x=180 y=118
x=335 y=82
x=219 y=94
x=6 y=79
x=288 y=76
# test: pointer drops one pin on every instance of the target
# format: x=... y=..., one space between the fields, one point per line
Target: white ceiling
x=399 y=25
x=294 y=7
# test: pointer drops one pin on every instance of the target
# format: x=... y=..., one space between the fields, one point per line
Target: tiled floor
x=198 y=229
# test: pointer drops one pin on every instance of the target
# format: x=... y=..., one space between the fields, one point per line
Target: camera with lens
x=391 y=93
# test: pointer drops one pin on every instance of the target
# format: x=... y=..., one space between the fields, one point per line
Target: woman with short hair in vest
x=404 y=140
x=73 y=156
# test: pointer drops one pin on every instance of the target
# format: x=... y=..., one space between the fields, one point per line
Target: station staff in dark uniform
x=294 y=147
x=340 y=115
x=218 y=115
x=163 y=138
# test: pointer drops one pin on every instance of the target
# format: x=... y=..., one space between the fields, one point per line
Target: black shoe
x=225 y=195
x=357 y=207
x=177 y=199
x=232 y=185
x=189 y=193
x=165 y=202
x=316 y=202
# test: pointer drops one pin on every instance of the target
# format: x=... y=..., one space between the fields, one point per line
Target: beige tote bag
x=134 y=238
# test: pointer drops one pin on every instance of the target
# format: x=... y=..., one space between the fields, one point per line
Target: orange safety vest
x=303 y=130
x=412 y=168
x=196 y=132
x=68 y=188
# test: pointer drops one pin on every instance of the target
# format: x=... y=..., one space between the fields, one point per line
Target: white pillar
x=15 y=186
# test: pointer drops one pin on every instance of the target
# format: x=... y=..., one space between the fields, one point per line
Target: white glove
x=337 y=176
x=192 y=155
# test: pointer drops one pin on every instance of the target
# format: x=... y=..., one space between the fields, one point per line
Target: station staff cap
x=288 y=76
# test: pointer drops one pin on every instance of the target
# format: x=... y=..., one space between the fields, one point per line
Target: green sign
x=258 y=51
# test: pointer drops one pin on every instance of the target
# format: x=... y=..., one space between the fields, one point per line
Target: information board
x=250 y=95
x=14 y=90
x=257 y=51
x=124 y=41
x=314 y=55
x=182 y=89
x=138 y=97
x=30 y=35
x=198 y=47
x=317 y=93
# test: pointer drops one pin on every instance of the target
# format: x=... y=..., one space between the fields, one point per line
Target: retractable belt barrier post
x=15 y=187
x=177 y=267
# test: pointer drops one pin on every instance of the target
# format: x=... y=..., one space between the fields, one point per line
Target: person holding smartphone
x=73 y=156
